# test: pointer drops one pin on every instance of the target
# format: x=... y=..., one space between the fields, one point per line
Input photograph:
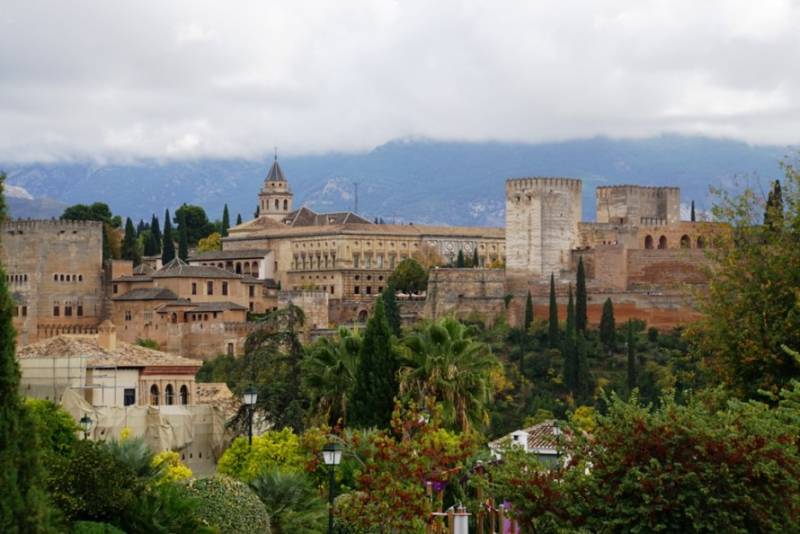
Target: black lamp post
x=86 y=424
x=250 y=398
x=332 y=456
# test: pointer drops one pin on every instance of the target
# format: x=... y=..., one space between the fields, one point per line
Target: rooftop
x=251 y=253
x=177 y=268
x=148 y=293
x=544 y=435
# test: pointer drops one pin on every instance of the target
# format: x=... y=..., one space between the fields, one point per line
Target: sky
x=120 y=80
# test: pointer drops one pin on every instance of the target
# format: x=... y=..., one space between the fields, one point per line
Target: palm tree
x=444 y=364
x=329 y=374
x=292 y=501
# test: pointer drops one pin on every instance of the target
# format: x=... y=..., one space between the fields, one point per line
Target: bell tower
x=275 y=198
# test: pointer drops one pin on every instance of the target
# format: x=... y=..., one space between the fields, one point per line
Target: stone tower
x=542 y=216
x=638 y=205
x=275 y=198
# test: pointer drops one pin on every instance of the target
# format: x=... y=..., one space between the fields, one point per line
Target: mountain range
x=405 y=180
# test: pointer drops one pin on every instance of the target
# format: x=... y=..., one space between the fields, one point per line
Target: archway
x=648 y=242
x=362 y=316
x=662 y=242
x=154 y=394
x=184 y=395
x=169 y=395
x=701 y=243
x=685 y=241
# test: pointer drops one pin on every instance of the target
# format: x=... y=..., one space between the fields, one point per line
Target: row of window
x=249 y=268
x=169 y=395
x=685 y=242
x=68 y=309
x=210 y=288
x=19 y=311
x=16 y=278
x=319 y=261
x=379 y=264
x=69 y=277
x=367 y=290
x=277 y=204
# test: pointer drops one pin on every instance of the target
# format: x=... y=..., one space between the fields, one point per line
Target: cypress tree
x=569 y=349
x=372 y=402
x=580 y=299
x=226 y=221
x=168 y=246
x=129 y=241
x=773 y=214
x=460 y=262
x=693 y=218
x=476 y=262
x=106 y=244
x=239 y=219
x=141 y=227
x=256 y=213
x=155 y=236
x=23 y=501
x=608 y=326
x=392 y=310
x=552 y=331
x=631 y=343
x=582 y=379
x=183 y=240
x=528 y=312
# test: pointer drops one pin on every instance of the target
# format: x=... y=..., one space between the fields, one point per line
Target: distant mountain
x=407 y=180
x=21 y=204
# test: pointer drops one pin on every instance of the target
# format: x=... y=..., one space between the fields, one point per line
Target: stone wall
x=664 y=269
x=55 y=276
x=465 y=293
x=629 y=204
x=542 y=216
x=313 y=303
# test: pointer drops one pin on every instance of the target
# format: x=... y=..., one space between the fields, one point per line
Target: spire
x=275 y=173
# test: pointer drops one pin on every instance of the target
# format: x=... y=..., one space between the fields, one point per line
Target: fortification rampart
x=465 y=293
x=633 y=204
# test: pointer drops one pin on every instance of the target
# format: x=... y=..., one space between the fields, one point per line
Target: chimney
x=107 y=336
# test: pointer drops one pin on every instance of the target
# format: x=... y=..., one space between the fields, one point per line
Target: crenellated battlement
x=15 y=225
x=571 y=184
x=604 y=191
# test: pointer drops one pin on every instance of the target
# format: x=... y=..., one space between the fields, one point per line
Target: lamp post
x=332 y=456
x=86 y=424
x=250 y=398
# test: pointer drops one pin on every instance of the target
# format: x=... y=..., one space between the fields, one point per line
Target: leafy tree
x=23 y=502
x=166 y=508
x=54 y=426
x=274 y=449
x=239 y=219
x=460 y=262
x=444 y=364
x=750 y=310
x=196 y=222
x=692 y=216
x=226 y=221
x=129 y=251
x=528 y=312
x=229 y=505
x=376 y=374
x=99 y=211
x=409 y=277
x=212 y=242
x=552 y=331
x=392 y=309
x=168 y=247
x=329 y=371
x=292 y=501
x=581 y=318
x=631 y=351
x=608 y=328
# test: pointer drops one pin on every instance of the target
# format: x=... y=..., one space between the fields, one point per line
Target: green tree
x=154 y=246
x=99 y=211
x=583 y=380
x=129 y=251
x=274 y=449
x=376 y=375
x=329 y=371
x=528 y=312
x=553 y=337
x=693 y=218
x=445 y=365
x=23 y=501
x=292 y=501
x=460 y=262
x=630 y=343
x=581 y=313
x=226 y=221
x=409 y=277
x=196 y=222
x=475 y=261
x=54 y=426
x=168 y=247
x=774 y=212
x=183 y=240
x=750 y=311
x=569 y=348
x=238 y=219
x=392 y=309
x=608 y=328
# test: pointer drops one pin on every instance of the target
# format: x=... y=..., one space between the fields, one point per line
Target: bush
x=165 y=508
x=230 y=506
x=273 y=449
x=93 y=527
x=55 y=427
x=293 y=503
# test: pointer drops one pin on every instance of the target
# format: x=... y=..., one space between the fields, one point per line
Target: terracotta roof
x=230 y=254
x=544 y=435
x=308 y=217
x=217 y=306
x=125 y=354
x=266 y=227
x=133 y=278
x=148 y=293
x=178 y=268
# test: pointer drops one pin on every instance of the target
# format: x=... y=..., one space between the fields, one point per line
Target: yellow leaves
x=212 y=242
x=174 y=469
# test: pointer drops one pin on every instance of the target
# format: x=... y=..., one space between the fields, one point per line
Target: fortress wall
x=465 y=293
x=606 y=266
x=627 y=204
x=666 y=268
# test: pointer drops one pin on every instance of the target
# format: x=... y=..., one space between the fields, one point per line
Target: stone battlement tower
x=637 y=205
x=542 y=216
x=275 y=198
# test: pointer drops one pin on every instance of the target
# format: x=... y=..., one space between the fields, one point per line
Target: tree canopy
x=409 y=277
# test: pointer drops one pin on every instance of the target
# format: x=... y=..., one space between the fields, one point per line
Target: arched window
x=230 y=349
x=362 y=316
x=184 y=395
x=169 y=395
x=662 y=242
x=154 y=395
x=276 y=203
x=648 y=242
x=701 y=243
x=174 y=317
x=685 y=241
x=238 y=267
x=285 y=205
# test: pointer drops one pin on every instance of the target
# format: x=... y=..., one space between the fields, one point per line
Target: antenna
x=355 y=202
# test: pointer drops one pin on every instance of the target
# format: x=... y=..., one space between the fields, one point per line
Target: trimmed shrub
x=230 y=506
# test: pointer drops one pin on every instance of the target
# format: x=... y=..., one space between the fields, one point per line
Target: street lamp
x=332 y=456
x=250 y=398
x=86 y=424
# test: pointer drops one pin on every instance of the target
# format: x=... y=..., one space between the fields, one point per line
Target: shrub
x=169 y=464
x=148 y=343
x=293 y=503
x=93 y=527
x=273 y=449
x=55 y=427
x=230 y=506
x=166 y=508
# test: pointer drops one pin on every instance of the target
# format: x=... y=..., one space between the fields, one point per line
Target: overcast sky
x=172 y=79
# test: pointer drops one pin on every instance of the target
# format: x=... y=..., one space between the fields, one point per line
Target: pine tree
x=239 y=219
x=693 y=218
x=580 y=299
x=475 y=261
x=372 y=402
x=608 y=326
x=226 y=221
x=168 y=246
x=183 y=240
x=552 y=331
x=129 y=241
x=460 y=263
x=392 y=310
x=23 y=501
x=528 y=312
x=631 y=343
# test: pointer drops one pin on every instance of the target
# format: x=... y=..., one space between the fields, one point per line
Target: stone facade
x=54 y=272
x=634 y=204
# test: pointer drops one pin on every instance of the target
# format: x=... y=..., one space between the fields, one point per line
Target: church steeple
x=275 y=198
